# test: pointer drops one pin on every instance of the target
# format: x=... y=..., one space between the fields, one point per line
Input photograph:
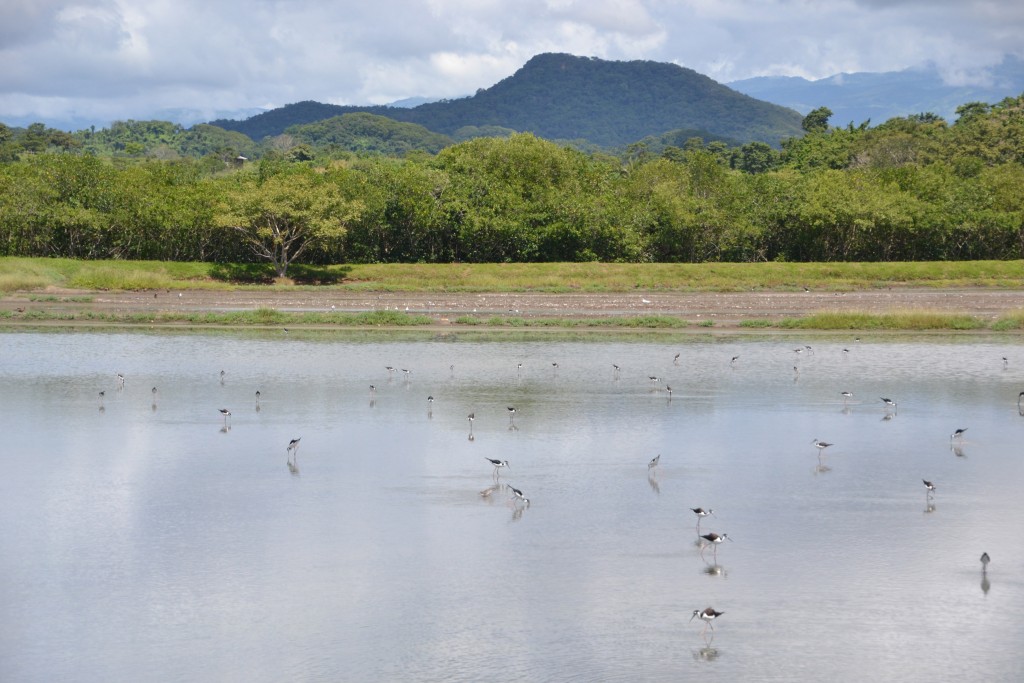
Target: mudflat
x=725 y=309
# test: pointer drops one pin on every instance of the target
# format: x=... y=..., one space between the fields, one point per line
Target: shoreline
x=703 y=311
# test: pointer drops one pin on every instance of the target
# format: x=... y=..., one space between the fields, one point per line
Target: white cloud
x=112 y=59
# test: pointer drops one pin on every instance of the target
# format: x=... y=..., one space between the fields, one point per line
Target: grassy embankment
x=22 y=274
x=35 y=275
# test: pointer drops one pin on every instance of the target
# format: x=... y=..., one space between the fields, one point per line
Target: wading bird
x=713 y=540
x=707 y=615
x=701 y=512
x=498 y=464
x=518 y=496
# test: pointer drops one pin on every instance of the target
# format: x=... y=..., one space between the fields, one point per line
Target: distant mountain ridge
x=880 y=96
x=565 y=97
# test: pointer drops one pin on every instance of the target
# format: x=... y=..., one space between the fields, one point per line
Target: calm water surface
x=148 y=539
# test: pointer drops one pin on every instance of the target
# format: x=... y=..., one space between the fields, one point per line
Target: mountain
x=857 y=97
x=564 y=97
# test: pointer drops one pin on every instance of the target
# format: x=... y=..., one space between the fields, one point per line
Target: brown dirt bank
x=726 y=309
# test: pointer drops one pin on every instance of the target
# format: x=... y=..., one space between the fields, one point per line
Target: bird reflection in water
x=714 y=570
x=958 y=451
x=293 y=455
x=652 y=481
x=985 y=584
x=706 y=654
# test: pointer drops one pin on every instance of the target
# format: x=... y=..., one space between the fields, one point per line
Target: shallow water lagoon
x=145 y=536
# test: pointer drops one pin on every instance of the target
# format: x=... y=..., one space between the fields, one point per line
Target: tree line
x=913 y=188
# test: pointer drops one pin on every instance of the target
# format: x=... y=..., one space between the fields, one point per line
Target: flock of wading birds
x=706 y=615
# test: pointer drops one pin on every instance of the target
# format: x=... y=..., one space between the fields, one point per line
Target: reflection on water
x=140 y=541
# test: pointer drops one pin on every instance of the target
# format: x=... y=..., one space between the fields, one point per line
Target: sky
x=96 y=61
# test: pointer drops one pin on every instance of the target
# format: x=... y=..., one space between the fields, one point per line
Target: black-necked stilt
x=701 y=512
x=1006 y=362
x=654 y=379
x=958 y=434
x=929 y=487
x=258 y=395
x=889 y=403
x=713 y=540
x=471 y=417
x=120 y=381
x=654 y=462
x=732 y=361
x=390 y=369
x=669 y=390
x=821 y=445
x=615 y=369
x=498 y=464
x=1019 y=398
x=707 y=615
x=846 y=396
x=102 y=394
x=511 y=412
x=675 y=359
x=227 y=415
x=518 y=495
x=293 y=447
x=430 y=400
x=985 y=559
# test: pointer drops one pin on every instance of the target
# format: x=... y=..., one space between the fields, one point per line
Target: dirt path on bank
x=725 y=309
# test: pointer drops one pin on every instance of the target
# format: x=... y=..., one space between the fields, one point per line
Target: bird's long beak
x=692 y=616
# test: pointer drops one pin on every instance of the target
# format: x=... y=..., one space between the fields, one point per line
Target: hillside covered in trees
x=913 y=188
x=567 y=98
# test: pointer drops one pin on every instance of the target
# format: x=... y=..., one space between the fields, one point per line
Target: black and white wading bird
x=713 y=540
x=518 y=496
x=701 y=512
x=498 y=464
x=821 y=445
x=707 y=615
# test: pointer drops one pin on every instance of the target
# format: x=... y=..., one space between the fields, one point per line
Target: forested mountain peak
x=566 y=97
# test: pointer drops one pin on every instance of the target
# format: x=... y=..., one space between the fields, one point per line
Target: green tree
x=817 y=120
x=281 y=217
